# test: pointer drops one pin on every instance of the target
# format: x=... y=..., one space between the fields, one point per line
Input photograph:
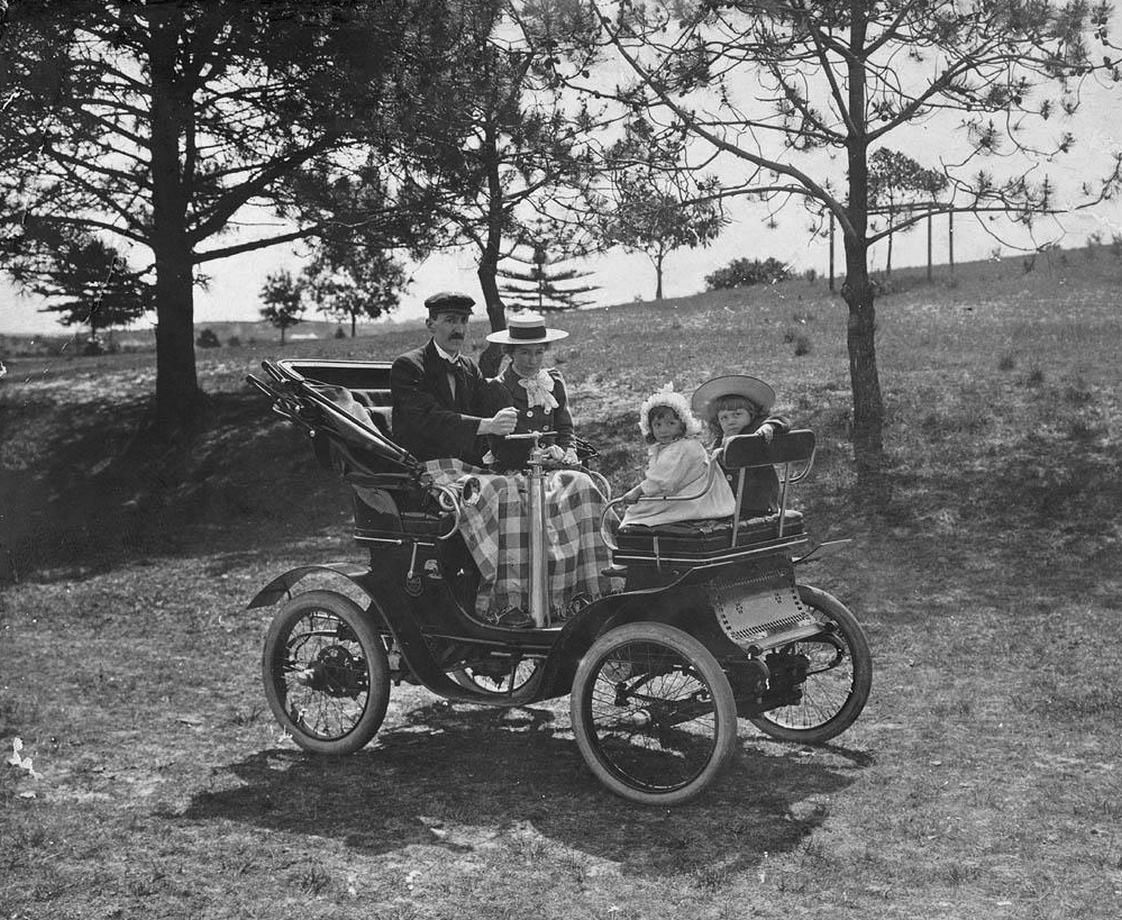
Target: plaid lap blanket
x=497 y=533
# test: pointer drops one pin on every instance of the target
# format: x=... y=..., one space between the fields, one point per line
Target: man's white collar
x=455 y=359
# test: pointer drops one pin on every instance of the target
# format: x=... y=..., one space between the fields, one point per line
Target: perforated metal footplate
x=760 y=608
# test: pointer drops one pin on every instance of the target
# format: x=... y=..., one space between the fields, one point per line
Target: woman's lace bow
x=539 y=390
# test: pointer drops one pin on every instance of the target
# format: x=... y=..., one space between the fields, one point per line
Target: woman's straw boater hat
x=526 y=328
x=751 y=388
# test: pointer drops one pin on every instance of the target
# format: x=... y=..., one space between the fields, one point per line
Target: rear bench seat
x=377 y=403
x=702 y=539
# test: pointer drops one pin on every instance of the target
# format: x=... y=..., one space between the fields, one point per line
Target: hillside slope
x=1000 y=388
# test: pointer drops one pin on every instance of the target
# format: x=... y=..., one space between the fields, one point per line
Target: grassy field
x=982 y=780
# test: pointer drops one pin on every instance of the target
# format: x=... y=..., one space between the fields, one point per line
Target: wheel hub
x=335 y=672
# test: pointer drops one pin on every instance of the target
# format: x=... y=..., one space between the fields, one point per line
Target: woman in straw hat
x=537 y=393
x=574 y=503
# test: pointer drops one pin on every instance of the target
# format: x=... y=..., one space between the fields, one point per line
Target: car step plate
x=760 y=609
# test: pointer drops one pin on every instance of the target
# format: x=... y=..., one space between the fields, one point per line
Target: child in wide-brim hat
x=738 y=404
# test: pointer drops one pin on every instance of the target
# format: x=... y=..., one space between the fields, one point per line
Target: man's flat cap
x=449 y=302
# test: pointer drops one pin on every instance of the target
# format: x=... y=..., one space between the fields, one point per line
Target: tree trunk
x=487 y=272
x=354 y=323
x=658 y=277
x=492 y=355
x=868 y=403
x=177 y=387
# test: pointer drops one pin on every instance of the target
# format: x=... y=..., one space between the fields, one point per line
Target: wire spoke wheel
x=839 y=676
x=653 y=713
x=326 y=674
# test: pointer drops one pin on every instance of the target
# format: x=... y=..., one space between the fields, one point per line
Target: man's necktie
x=456 y=379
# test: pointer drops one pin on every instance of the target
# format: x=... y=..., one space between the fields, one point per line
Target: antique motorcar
x=707 y=622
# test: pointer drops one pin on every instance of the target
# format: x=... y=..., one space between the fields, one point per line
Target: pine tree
x=542 y=285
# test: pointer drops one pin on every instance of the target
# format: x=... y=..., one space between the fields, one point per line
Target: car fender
x=280 y=588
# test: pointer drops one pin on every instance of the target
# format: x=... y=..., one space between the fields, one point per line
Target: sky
x=232 y=293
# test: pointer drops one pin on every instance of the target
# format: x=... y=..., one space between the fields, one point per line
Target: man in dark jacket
x=441 y=401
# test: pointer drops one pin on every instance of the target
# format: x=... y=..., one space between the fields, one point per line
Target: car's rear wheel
x=839 y=676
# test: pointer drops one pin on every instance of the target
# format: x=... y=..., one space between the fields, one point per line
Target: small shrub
x=233 y=342
x=811 y=275
x=960 y=874
x=967 y=419
x=1078 y=393
x=1006 y=362
x=883 y=286
x=340 y=333
x=1082 y=430
x=313 y=880
x=1035 y=377
x=802 y=345
x=746 y=272
x=208 y=338
x=1116 y=245
x=973 y=420
x=712 y=878
x=932 y=425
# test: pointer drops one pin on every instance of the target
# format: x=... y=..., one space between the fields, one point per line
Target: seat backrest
x=351 y=396
x=370 y=376
x=366 y=427
x=792 y=452
x=749 y=450
x=381 y=416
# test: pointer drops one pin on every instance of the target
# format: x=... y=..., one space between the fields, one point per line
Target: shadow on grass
x=455 y=777
x=97 y=486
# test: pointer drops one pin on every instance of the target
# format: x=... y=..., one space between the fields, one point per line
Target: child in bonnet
x=679 y=484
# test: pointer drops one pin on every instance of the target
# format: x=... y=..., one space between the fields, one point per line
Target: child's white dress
x=680 y=468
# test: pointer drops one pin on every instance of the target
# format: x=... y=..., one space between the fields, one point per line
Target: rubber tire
x=862 y=662
x=710 y=673
x=373 y=651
